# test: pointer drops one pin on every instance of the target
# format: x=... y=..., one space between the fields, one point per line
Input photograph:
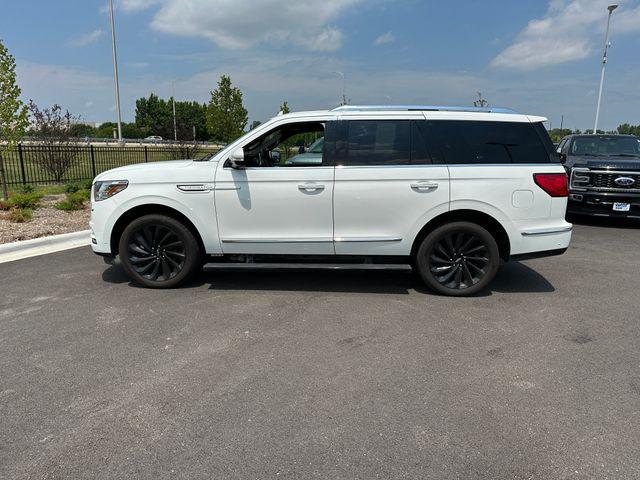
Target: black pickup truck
x=604 y=174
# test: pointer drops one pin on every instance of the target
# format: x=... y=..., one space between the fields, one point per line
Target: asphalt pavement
x=328 y=375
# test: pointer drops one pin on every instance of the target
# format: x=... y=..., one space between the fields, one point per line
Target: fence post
x=93 y=161
x=146 y=159
x=24 y=176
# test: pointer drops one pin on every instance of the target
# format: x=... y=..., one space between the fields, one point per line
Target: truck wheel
x=158 y=251
x=458 y=259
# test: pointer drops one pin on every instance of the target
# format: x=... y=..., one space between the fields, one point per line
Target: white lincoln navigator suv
x=447 y=191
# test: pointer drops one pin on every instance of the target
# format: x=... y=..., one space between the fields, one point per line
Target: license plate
x=621 y=207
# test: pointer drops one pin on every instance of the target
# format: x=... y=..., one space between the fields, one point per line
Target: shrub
x=22 y=200
x=84 y=193
x=74 y=201
x=71 y=187
x=27 y=188
x=20 y=215
x=74 y=187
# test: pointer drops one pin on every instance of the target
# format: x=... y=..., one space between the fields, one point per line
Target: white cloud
x=570 y=30
x=241 y=24
x=86 y=39
x=136 y=5
x=384 y=39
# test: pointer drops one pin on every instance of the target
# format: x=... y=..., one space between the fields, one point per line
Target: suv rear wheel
x=158 y=251
x=458 y=259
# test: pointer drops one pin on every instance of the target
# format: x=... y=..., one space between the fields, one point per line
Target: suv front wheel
x=158 y=251
x=458 y=259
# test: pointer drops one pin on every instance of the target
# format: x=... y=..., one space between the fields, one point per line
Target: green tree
x=284 y=108
x=80 y=130
x=14 y=116
x=188 y=116
x=226 y=116
x=105 y=130
x=154 y=116
x=627 y=129
x=558 y=134
x=255 y=124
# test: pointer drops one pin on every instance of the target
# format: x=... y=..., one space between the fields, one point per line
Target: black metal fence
x=47 y=164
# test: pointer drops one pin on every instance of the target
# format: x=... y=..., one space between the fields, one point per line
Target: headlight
x=104 y=190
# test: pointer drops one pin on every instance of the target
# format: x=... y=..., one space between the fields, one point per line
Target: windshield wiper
x=626 y=155
x=205 y=158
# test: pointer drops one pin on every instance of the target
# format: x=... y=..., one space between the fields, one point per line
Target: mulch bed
x=47 y=220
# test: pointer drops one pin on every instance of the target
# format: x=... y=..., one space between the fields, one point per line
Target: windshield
x=606 y=146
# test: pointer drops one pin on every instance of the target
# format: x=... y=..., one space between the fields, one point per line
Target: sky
x=540 y=57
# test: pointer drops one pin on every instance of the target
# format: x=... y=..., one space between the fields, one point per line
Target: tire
x=458 y=259
x=157 y=251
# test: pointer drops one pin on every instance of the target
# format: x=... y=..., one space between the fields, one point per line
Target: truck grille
x=604 y=181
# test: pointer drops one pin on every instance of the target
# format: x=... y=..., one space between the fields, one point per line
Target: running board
x=304 y=266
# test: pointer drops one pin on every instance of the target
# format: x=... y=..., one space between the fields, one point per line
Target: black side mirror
x=563 y=157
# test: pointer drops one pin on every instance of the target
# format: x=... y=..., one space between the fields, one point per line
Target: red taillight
x=555 y=184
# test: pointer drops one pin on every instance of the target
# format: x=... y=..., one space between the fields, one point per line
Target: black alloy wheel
x=458 y=259
x=158 y=251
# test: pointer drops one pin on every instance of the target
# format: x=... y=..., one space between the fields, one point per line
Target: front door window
x=291 y=145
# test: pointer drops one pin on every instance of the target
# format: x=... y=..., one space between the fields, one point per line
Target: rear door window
x=476 y=142
x=374 y=142
x=382 y=142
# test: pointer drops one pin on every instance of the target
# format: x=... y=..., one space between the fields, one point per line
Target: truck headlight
x=104 y=190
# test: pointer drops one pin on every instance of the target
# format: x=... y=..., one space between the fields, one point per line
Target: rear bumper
x=600 y=204
x=542 y=240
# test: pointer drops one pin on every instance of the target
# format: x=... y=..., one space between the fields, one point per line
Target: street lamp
x=611 y=8
x=173 y=99
x=115 y=70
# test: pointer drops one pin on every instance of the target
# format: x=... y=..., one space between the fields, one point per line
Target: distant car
x=313 y=156
x=154 y=137
x=604 y=172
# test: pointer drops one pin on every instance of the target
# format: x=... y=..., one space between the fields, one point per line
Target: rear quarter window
x=481 y=142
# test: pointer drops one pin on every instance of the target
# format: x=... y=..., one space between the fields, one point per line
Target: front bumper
x=601 y=204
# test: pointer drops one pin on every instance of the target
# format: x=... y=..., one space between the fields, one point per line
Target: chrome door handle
x=310 y=187
x=423 y=185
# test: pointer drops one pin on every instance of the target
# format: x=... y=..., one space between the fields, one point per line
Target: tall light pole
x=115 y=71
x=611 y=8
x=344 y=87
x=173 y=98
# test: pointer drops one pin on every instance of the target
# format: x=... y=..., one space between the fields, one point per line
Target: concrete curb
x=40 y=246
